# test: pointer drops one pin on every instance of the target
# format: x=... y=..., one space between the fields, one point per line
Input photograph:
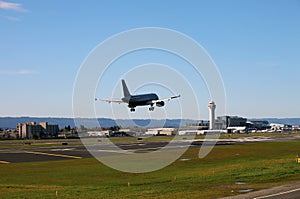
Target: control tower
x=211 y=107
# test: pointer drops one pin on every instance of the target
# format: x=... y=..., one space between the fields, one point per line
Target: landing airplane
x=139 y=100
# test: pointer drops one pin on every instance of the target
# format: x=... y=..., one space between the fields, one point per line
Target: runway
x=287 y=191
x=55 y=153
x=42 y=154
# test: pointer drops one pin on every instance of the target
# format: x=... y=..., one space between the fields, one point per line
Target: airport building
x=211 y=108
x=296 y=127
x=258 y=124
x=31 y=130
x=200 y=125
x=223 y=122
x=281 y=127
x=216 y=125
x=104 y=133
x=161 y=131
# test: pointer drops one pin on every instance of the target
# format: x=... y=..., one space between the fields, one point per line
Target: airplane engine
x=160 y=104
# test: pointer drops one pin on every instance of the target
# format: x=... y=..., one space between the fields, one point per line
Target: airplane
x=139 y=100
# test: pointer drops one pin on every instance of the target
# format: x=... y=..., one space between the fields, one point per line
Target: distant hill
x=11 y=122
x=290 y=121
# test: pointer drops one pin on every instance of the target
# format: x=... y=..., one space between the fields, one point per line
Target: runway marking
x=4 y=162
x=53 y=154
x=115 y=151
x=278 y=194
x=66 y=149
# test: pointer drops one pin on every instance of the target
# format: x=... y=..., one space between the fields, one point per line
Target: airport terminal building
x=223 y=122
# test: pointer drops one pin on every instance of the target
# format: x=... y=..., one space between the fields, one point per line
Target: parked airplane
x=139 y=100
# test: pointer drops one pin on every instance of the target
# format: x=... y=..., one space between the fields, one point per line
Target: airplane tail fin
x=125 y=89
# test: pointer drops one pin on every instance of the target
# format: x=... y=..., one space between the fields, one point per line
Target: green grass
x=261 y=165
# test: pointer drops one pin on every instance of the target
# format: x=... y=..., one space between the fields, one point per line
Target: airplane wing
x=110 y=100
x=165 y=99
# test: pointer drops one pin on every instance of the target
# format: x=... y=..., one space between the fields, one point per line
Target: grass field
x=259 y=165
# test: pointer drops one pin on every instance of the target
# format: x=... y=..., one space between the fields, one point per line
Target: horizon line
x=64 y=117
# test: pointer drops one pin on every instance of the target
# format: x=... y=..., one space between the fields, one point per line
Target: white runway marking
x=66 y=149
x=114 y=151
x=278 y=194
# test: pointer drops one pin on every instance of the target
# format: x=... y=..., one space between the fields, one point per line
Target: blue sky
x=255 y=45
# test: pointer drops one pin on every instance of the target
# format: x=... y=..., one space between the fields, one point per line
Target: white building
x=280 y=127
x=98 y=133
x=191 y=132
x=161 y=131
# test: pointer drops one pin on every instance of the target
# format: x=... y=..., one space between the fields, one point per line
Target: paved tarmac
x=42 y=154
x=78 y=151
x=287 y=191
x=38 y=154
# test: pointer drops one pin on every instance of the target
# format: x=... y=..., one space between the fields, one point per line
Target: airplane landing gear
x=151 y=108
x=132 y=109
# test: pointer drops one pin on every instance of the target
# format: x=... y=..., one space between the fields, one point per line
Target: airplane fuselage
x=140 y=100
x=133 y=101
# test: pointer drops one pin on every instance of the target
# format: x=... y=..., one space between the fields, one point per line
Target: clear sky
x=255 y=45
